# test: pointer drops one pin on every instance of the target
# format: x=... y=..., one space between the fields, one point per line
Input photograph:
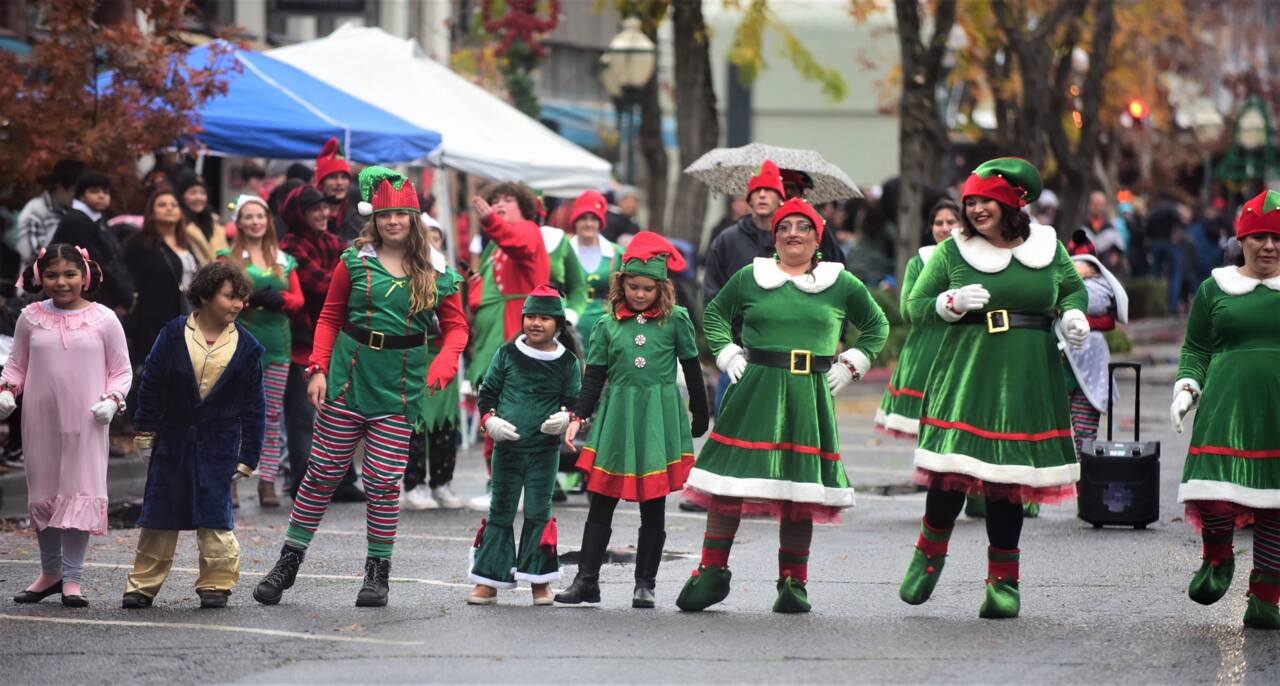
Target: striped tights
x=337 y=432
x=274 y=377
x=1084 y=419
x=1219 y=521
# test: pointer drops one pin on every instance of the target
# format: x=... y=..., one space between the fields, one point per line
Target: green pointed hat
x=384 y=190
x=1012 y=181
x=544 y=300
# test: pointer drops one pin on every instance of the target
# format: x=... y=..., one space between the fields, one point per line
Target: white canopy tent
x=482 y=135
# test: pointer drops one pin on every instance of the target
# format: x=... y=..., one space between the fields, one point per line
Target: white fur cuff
x=726 y=356
x=945 y=312
x=858 y=360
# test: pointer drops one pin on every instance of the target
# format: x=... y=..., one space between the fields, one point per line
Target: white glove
x=500 y=429
x=953 y=304
x=731 y=361
x=464 y=387
x=1182 y=403
x=145 y=454
x=556 y=423
x=1075 y=328
x=840 y=375
x=8 y=404
x=104 y=410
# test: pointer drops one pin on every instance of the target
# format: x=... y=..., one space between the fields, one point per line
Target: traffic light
x=1138 y=109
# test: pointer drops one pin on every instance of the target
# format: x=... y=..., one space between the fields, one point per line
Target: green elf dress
x=974 y=435
x=776 y=443
x=899 y=412
x=597 y=281
x=566 y=273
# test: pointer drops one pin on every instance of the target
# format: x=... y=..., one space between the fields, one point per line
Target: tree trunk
x=654 y=154
x=922 y=134
x=699 y=123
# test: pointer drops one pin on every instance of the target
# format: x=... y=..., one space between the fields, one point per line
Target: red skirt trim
x=1014 y=493
x=894 y=433
x=632 y=487
x=895 y=392
x=765 y=445
x=996 y=435
x=1243 y=514
x=764 y=508
x=1232 y=452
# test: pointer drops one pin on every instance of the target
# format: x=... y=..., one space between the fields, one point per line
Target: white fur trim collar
x=552 y=237
x=607 y=247
x=438 y=260
x=770 y=276
x=1036 y=252
x=539 y=354
x=1232 y=282
x=281 y=258
x=926 y=252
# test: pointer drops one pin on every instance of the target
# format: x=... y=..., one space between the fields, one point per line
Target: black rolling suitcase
x=1120 y=481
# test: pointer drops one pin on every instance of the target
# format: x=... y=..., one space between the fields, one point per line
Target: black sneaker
x=373 y=593
x=281 y=576
x=212 y=599
x=135 y=601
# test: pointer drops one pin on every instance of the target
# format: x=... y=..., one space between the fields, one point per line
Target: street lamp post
x=626 y=67
x=1208 y=125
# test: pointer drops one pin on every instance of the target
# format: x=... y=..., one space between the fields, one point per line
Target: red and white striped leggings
x=274 y=377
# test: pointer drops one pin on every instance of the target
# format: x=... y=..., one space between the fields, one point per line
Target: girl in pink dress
x=71 y=362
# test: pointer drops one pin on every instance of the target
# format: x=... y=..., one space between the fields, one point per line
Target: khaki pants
x=219 y=561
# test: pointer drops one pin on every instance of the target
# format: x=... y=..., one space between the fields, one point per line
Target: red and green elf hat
x=1012 y=181
x=651 y=255
x=384 y=190
x=802 y=207
x=1260 y=215
x=544 y=300
x=767 y=176
x=331 y=161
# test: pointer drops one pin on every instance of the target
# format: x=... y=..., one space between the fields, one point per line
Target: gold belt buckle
x=376 y=340
x=804 y=356
x=992 y=326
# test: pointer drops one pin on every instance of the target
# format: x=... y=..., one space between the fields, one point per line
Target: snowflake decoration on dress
x=521 y=21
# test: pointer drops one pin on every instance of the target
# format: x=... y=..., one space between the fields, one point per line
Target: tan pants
x=219 y=560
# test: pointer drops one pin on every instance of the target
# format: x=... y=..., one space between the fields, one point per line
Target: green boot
x=1213 y=578
x=1031 y=510
x=975 y=506
x=1003 y=599
x=926 y=565
x=792 y=597
x=707 y=586
x=1264 y=593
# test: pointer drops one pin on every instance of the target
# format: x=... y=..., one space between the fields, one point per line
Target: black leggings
x=1004 y=519
x=653 y=513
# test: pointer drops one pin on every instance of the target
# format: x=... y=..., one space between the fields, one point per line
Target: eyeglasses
x=803 y=229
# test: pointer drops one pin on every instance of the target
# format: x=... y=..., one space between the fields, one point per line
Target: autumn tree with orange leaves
x=50 y=108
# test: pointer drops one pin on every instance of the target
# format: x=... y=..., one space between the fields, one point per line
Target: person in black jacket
x=86 y=226
x=162 y=264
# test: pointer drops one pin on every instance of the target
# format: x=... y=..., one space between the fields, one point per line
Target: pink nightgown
x=63 y=361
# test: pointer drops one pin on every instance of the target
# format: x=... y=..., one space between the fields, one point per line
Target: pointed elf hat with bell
x=331 y=160
x=1260 y=215
x=544 y=300
x=651 y=255
x=1012 y=181
x=385 y=190
x=767 y=176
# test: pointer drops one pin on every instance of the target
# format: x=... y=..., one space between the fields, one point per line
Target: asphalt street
x=1099 y=606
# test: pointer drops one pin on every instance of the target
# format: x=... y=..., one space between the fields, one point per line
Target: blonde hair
x=665 y=302
x=270 y=248
x=417 y=261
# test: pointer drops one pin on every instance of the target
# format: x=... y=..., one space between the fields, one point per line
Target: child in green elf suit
x=530 y=383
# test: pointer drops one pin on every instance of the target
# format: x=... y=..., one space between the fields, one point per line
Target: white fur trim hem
x=769 y=489
x=1261 y=498
x=1000 y=474
x=861 y=363
x=726 y=356
x=477 y=579
x=538 y=578
x=897 y=422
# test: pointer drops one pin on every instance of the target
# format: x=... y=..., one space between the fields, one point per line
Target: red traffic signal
x=1138 y=108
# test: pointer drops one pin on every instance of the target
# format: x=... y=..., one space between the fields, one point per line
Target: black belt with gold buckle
x=376 y=340
x=1000 y=321
x=801 y=362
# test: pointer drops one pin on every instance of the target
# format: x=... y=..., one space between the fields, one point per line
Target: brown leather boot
x=267 y=494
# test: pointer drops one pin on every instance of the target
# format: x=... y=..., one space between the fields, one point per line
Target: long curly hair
x=665 y=302
x=270 y=247
x=417 y=261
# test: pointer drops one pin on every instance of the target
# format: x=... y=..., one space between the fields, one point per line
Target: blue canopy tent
x=272 y=109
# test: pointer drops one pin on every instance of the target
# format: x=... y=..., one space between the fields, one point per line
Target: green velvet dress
x=776 y=443
x=640 y=446
x=995 y=417
x=566 y=272
x=597 y=288
x=1230 y=351
x=899 y=413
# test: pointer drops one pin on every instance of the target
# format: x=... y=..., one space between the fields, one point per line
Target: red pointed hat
x=651 y=255
x=383 y=190
x=331 y=161
x=802 y=207
x=766 y=177
x=591 y=202
x=1260 y=215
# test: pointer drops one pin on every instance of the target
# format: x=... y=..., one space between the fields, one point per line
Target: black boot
x=281 y=576
x=586 y=585
x=648 y=557
x=374 y=591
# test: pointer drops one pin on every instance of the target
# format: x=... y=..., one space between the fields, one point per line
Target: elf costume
x=598 y=264
x=370 y=344
x=1232 y=472
x=899 y=413
x=525 y=393
x=981 y=431
x=775 y=449
x=641 y=445
x=566 y=272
